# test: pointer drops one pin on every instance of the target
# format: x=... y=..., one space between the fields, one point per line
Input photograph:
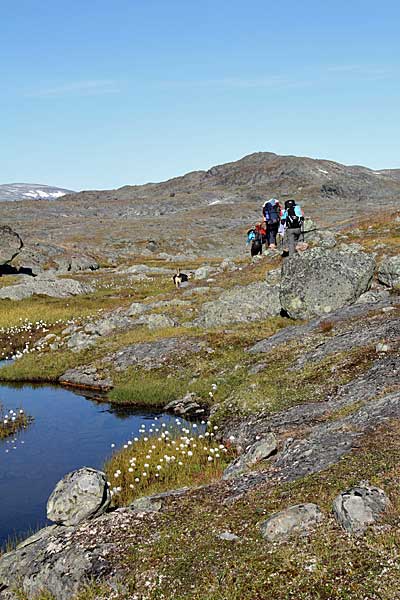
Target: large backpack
x=272 y=213
x=293 y=220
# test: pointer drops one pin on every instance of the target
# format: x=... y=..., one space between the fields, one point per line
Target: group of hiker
x=287 y=223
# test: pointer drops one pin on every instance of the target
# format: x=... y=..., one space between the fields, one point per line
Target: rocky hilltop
x=268 y=174
x=204 y=213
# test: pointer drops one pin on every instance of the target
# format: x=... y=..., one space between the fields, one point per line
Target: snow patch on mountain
x=30 y=191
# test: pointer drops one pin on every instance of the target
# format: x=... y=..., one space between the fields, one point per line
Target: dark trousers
x=272 y=231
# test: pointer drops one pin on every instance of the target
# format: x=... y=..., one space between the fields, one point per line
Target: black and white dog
x=180 y=278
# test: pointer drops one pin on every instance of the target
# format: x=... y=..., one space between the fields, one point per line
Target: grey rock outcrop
x=227 y=265
x=75 y=263
x=51 y=561
x=108 y=324
x=86 y=377
x=361 y=506
x=321 y=281
x=55 y=288
x=187 y=406
x=154 y=503
x=299 y=519
x=146 y=504
x=81 y=341
x=80 y=495
x=146 y=270
x=203 y=272
x=10 y=244
x=259 y=451
x=373 y=296
x=157 y=321
x=241 y=304
x=389 y=271
x=136 y=308
x=151 y=355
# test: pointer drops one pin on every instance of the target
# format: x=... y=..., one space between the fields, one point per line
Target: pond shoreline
x=71 y=429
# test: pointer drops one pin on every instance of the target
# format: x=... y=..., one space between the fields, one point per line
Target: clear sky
x=99 y=94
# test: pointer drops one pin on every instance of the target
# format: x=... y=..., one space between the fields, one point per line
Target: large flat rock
x=322 y=280
x=55 y=288
x=152 y=355
x=241 y=304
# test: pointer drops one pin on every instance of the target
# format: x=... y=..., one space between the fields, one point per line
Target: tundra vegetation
x=179 y=554
x=12 y=421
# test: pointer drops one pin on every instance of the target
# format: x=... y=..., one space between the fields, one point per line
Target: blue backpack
x=271 y=213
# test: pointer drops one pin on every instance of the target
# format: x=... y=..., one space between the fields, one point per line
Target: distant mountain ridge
x=203 y=213
x=31 y=191
x=265 y=173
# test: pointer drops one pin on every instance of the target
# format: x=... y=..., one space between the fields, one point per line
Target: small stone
x=360 y=506
x=146 y=504
x=382 y=348
x=228 y=536
x=298 y=519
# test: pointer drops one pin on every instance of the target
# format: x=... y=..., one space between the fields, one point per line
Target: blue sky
x=99 y=94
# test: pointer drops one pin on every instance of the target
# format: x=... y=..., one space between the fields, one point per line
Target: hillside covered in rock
x=205 y=213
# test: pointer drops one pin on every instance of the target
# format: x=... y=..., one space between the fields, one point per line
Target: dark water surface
x=69 y=431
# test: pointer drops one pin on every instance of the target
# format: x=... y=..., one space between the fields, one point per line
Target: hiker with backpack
x=272 y=217
x=256 y=236
x=293 y=221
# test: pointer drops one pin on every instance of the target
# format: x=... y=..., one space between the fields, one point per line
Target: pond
x=69 y=431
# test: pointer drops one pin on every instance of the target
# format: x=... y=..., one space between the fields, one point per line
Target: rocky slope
x=204 y=213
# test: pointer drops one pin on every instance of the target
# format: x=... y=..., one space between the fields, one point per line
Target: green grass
x=276 y=388
x=49 y=310
x=44 y=367
x=47 y=366
x=148 y=389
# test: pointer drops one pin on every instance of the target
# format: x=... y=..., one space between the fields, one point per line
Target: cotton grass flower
x=150 y=467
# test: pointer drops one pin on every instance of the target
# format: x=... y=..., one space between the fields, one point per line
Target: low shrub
x=325 y=326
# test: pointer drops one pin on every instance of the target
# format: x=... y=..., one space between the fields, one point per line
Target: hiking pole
x=309 y=231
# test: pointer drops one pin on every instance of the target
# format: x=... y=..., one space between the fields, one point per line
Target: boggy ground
x=330 y=391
